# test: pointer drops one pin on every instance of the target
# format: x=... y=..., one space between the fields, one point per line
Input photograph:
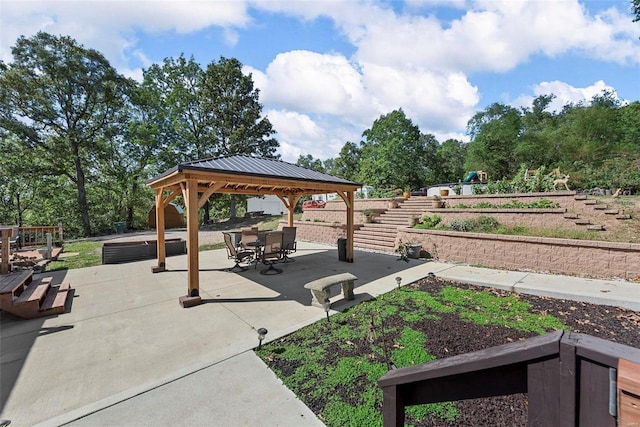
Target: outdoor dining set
x=251 y=247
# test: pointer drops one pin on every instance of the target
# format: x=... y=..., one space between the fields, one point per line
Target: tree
x=347 y=165
x=635 y=5
x=395 y=155
x=538 y=144
x=64 y=103
x=208 y=113
x=494 y=135
x=175 y=90
x=310 y=163
x=234 y=112
x=231 y=105
x=449 y=166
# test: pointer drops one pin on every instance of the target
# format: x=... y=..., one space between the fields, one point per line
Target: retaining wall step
x=595 y=227
x=580 y=197
x=583 y=221
x=623 y=216
x=601 y=207
x=590 y=202
x=571 y=216
x=611 y=211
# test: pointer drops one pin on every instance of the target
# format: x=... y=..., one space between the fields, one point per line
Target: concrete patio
x=126 y=333
x=128 y=354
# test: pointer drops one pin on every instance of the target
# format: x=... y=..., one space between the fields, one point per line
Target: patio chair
x=272 y=252
x=239 y=256
x=288 y=243
x=249 y=237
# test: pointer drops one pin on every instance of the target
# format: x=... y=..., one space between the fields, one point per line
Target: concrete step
x=611 y=211
x=580 y=197
x=590 y=202
x=376 y=232
x=374 y=247
x=385 y=240
x=623 y=217
x=584 y=221
x=601 y=207
x=571 y=216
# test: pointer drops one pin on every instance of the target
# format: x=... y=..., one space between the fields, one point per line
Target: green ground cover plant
x=514 y=204
x=333 y=365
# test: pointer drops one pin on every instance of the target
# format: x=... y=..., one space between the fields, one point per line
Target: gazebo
x=239 y=174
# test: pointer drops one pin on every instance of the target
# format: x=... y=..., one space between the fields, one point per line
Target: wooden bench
x=321 y=288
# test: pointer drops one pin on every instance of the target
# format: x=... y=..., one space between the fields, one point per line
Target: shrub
x=429 y=221
x=485 y=223
x=459 y=225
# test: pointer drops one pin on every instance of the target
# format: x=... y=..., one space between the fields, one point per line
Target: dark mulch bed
x=456 y=337
x=450 y=336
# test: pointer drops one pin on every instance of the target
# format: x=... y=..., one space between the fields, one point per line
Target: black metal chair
x=288 y=243
x=242 y=256
x=272 y=252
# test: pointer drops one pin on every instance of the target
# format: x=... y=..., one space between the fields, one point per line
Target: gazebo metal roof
x=254 y=175
x=196 y=181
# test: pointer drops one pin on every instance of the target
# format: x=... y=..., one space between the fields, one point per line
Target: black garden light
x=262 y=332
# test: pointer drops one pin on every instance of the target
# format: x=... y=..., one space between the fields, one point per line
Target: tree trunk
x=207 y=219
x=19 y=209
x=232 y=207
x=82 y=193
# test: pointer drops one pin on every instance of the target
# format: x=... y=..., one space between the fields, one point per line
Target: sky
x=327 y=69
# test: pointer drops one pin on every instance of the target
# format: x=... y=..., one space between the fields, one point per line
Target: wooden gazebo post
x=160 y=232
x=190 y=194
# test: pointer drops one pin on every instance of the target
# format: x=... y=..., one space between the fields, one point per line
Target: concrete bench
x=321 y=288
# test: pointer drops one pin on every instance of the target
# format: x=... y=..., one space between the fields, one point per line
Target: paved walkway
x=127 y=354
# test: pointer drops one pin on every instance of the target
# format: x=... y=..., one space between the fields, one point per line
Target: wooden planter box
x=115 y=253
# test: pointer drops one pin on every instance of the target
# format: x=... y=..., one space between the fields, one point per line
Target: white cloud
x=311 y=82
x=107 y=25
x=564 y=92
x=298 y=134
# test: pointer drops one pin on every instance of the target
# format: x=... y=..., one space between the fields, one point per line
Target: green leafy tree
x=234 y=115
x=231 y=104
x=395 y=155
x=174 y=89
x=494 y=136
x=347 y=164
x=635 y=5
x=449 y=164
x=64 y=103
x=310 y=163
x=538 y=144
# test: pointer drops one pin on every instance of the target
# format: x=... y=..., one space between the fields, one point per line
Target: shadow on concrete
x=17 y=337
x=311 y=265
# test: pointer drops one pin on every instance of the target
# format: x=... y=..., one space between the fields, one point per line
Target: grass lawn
x=90 y=252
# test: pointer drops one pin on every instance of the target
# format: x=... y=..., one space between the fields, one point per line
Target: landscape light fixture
x=326 y=305
x=261 y=334
x=398 y=281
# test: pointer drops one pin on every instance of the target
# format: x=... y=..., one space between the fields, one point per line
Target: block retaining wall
x=605 y=260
